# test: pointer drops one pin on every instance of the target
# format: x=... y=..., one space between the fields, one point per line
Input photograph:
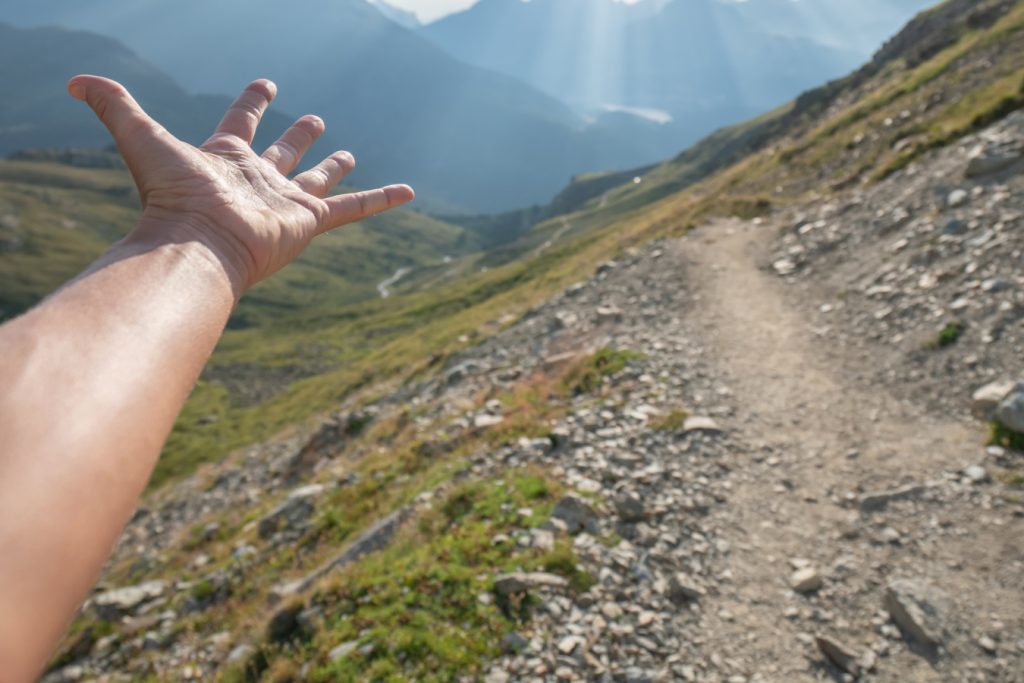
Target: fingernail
x=77 y=90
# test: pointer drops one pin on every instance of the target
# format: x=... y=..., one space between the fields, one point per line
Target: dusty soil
x=817 y=439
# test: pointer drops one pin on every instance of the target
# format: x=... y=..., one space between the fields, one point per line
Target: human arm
x=94 y=377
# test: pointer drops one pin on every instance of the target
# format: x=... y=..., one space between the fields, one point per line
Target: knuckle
x=287 y=149
x=249 y=108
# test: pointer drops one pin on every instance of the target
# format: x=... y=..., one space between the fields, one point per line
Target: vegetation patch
x=528 y=409
x=1000 y=435
x=670 y=422
x=950 y=334
x=423 y=609
x=587 y=375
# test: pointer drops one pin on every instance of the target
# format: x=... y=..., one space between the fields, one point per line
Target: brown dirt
x=798 y=402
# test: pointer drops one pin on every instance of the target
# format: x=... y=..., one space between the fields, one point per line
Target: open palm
x=240 y=204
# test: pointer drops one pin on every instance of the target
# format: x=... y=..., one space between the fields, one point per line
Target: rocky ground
x=784 y=483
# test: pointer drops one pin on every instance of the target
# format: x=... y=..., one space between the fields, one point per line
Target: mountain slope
x=460 y=135
x=450 y=444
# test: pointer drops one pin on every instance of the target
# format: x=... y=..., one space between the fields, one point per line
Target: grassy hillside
x=55 y=218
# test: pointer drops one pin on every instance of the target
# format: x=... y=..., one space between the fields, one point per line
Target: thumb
x=130 y=126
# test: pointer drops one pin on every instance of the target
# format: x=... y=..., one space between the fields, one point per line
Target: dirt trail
x=814 y=436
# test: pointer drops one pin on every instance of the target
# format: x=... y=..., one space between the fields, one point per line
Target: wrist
x=197 y=244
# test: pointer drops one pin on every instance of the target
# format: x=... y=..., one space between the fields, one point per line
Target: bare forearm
x=93 y=380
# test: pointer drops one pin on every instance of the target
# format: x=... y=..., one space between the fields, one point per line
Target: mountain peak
x=400 y=16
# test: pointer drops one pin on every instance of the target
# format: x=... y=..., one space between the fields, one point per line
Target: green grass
x=950 y=334
x=670 y=422
x=1000 y=435
x=415 y=609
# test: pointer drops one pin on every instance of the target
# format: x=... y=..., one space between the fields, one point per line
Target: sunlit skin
x=95 y=376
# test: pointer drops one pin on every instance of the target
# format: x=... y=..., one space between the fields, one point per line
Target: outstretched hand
x=116 y=351
x=242 y=206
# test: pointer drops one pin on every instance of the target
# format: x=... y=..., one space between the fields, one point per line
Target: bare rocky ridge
x=828 y=510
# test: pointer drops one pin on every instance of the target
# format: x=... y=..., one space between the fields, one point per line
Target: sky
x=429 y=10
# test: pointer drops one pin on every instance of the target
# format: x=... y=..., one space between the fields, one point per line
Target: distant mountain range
x=463 y=136
x=683 y=56
x=397 y=14
x=35 y=65
x=489 y=109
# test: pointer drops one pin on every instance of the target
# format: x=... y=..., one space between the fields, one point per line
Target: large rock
x=296 y=509
x=878 y=500
x=576 y=514
x=700 y=423
x=630 y=508
x=284 y=624
x=806 y=580
x=1010 y=412
x=116 y=603
x=521 y=582
x=986 y=400
x=460 y=371
x=375 y=538
x=327 y=441
x=915 y=607
x=989 y=160
x=682 y=589
x=513 y=643
x=838 y=654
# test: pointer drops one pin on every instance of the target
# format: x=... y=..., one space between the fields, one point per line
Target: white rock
x=484 y=421
x=985 y=400
x=784 y=266
x=611 y=610
x=806 y=580
x=569 y=643
x=957 y=198
x=119 y=601
x=342 y=651
x=976 y=473
x=698 y=423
